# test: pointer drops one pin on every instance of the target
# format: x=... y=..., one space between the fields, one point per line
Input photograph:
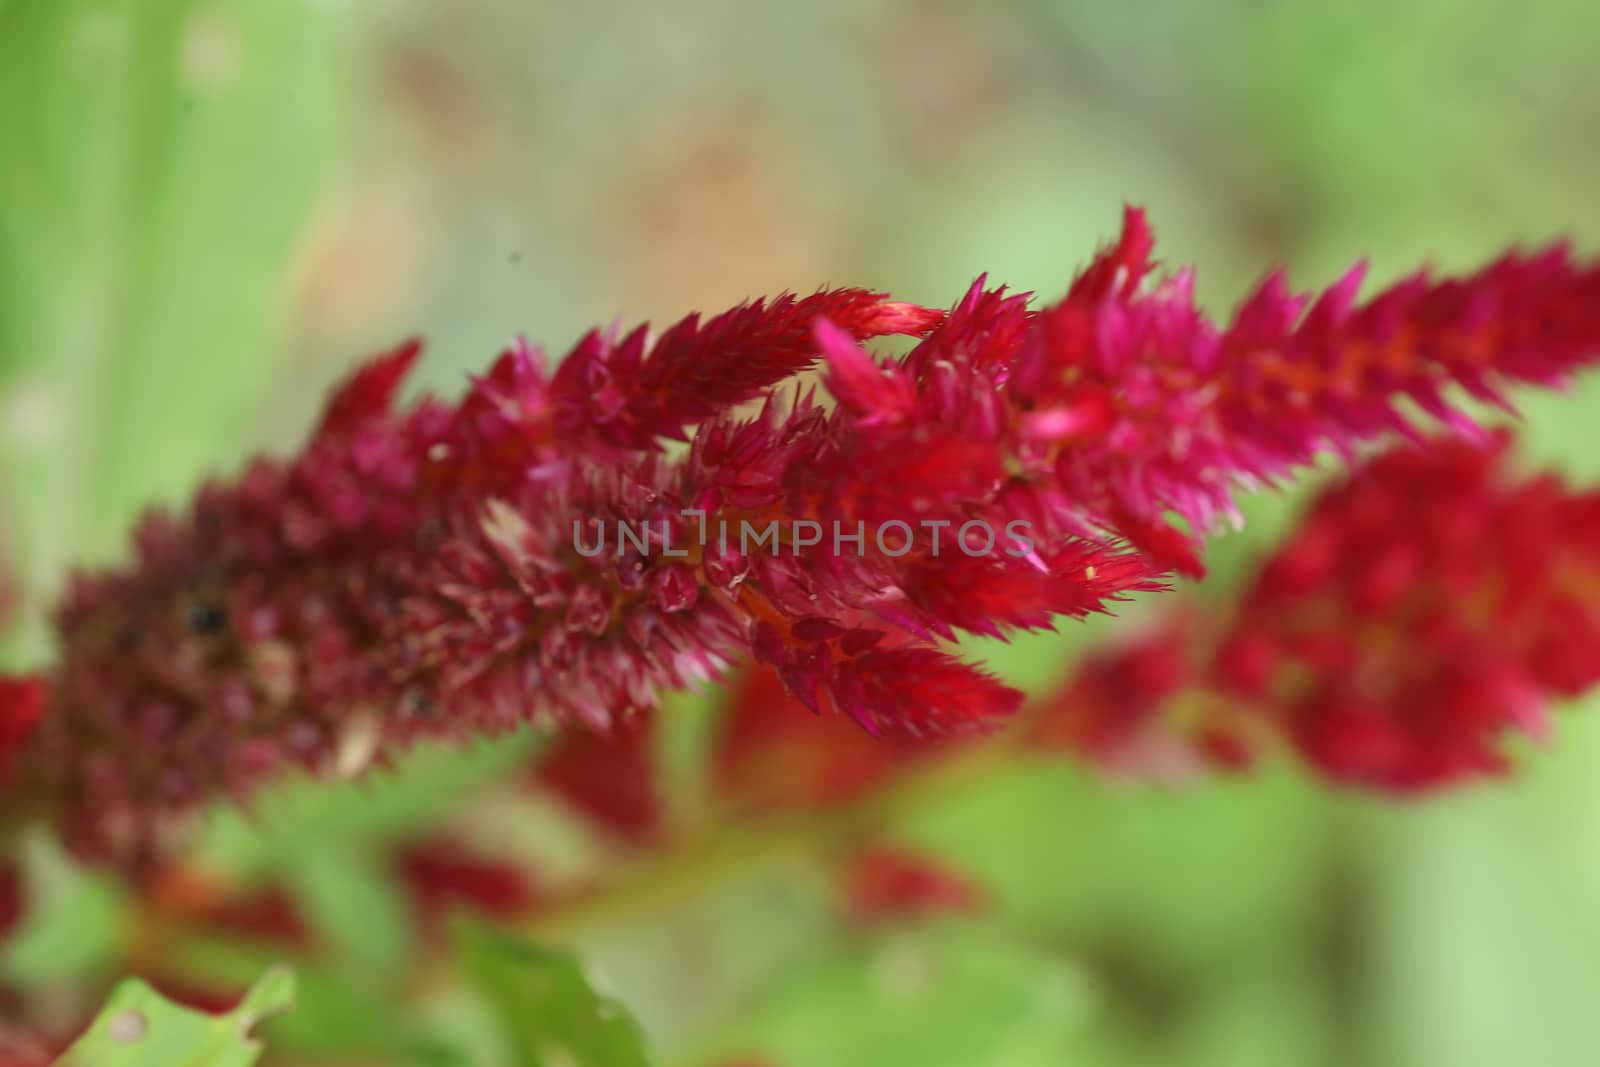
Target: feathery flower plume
x=1425 y=611
x=1148 y=407
x=1136 y=708
x=429 y=570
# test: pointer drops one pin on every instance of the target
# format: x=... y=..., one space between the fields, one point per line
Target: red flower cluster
x=1389 y=642
x=891 y=883
x=22 y=702
x=1131 y=709
x=418 y=571
x=1425 y=609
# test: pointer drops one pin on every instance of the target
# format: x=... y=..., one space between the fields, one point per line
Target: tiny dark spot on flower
x=515 y=257
x=204 y=619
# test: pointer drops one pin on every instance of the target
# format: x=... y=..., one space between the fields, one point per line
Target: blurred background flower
x=210 y=208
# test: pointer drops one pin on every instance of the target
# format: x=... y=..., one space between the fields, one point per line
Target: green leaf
x=74 y=923
x=138 y=1028
x=357 y=908
x=550 y=1014
x=157 y=188
x=949 y=998
x=340 y=1019
x=298 y=819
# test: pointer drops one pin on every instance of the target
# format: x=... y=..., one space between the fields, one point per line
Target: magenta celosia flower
x=560 y=543
x=1424 y=612
x=1149 y=407
x=1137 y=708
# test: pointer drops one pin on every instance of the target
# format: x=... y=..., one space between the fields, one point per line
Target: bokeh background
x=209 y=208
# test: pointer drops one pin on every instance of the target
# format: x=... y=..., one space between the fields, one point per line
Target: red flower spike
x=695 y=370
x=1388 y=641
x=919 y=690
x=1395 y=645
x=888 y=883
x=1197 y=408
x=608 y=778
x=985 y=596
x=871 y=392
x=420 y=571
x=370 y=392
x=1119 y=271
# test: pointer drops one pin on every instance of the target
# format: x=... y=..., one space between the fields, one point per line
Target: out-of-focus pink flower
x=609 y=778
x=887 y=883
x=1424 y=611
x=1136 y=708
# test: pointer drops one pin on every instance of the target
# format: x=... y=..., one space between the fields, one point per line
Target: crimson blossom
x=414 y=570
x=1423 y=613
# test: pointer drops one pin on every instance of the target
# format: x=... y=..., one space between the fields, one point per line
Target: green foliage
x=73 y=925
x=549 y=1014
x=138 y=1028
x=950 y=999
x=161 y=159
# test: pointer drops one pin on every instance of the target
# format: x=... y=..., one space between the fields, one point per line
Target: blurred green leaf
x=950 y=999
x=162 y=159
x=304 y=816
x=72 y=925
x=1084 y=861
x=551 y=1015
x=355 y=904
x=337 y=1019
x=138 y=1028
